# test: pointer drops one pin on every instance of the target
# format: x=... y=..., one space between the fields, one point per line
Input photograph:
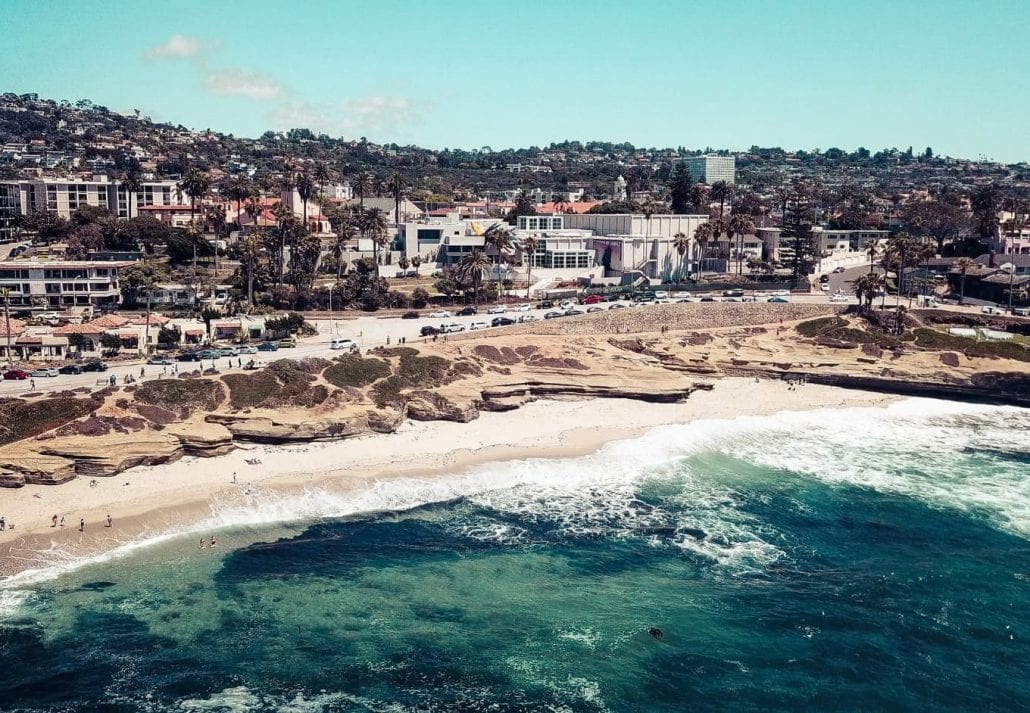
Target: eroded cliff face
x=457 y=380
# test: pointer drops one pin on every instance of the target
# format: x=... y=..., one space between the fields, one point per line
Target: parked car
x=497 y=309
x=707 y=298
x=661 y=295
x=989 y=309
x=428 y=331
x=595 y=309
x=733 y=293
x=825 y=286
x=527 y=318
x=441 y=314
x=1021 y=311
x=546 y=304
x=72 y=369
x=573 y=312
x=161 y=361
x=781 y=293
x=95 y=365
x=553 y=315
x=502 y=321
x=617 y=306
x=452 y=327
x=45 y=371
x=780 y=300
x=463 y=312
x=229 y=351
x=13 y=374
x=824 y=278
x=210 y=354
x=566 y=304
x=523 y=307
x=268 y=347
x=838 y=269
x=410 y=315
x=478 y=325
x=248 y=349
x=287 y=343
x=344 y=344
x=188 y=356
x=592 y=299
x=838 y=298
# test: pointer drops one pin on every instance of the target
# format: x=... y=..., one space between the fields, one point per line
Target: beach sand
x=149 y=501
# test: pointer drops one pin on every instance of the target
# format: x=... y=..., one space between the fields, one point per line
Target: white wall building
x=64 y=196
x=62 y=284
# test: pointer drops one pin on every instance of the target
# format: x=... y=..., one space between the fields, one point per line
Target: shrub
x=248 y=390
x=181 y=396
x=353 y=370
x=939 y=341
x=817 y=327
x=24 y=419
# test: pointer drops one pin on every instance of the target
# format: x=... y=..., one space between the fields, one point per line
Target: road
x=367 y=331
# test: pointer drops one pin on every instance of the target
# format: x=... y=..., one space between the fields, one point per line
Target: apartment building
x=9 y=201
x=64 y=196
x=712 y=169
x=62 y=284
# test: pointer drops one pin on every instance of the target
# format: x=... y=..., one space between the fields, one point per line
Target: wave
x=599 y=495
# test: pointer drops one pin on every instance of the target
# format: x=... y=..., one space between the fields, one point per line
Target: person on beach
x=202 y=545
x=214 y=542
x=234 y=477
x=108 y=520
x=82 y=524
x=3 y=523
x=53 y=521
x=32 y=384
x=62 y=520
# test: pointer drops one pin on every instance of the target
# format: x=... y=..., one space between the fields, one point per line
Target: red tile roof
x=109 y=321
x=78 y=329
x=17 y=327
x=577 y=207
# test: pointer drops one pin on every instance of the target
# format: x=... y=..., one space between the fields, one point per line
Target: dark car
x=546 y=304
x=824 y=278
x=708 y=298
x=268 y=347
x=595 y=309
x=467 y=311
x=553 y=315
x=188 y=356
x=70 y=369
x=410 y=315
x=19 y=374
x=428 y=330
x=502 y=321
x=94 y=366
x=573 y=312
x=617 y=306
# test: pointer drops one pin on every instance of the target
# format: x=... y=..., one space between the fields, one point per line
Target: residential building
x=62 y=284
x=712 y=169
x=9 y=209
x=64 y=196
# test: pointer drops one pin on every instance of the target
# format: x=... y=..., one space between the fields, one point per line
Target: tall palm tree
x=561 y=203
x=740 y=224
x=238 y=189
x=721 y=191
x=5 y=295
x=984 y=202
x=529 y=248
x=682 y=243
x=322 y=175
x=415 y=262
x=396 y=185
x=471 y=268
x=195 y=185
x=345 y=232
x=132 y=184
x=306 y=190
x=361 y=183
x=719 y=228
x=964 y=265
x=254 y=210
x=872 y=249
x=372 y=224
x=702 y=236
x=250 y=252
x=867 y=286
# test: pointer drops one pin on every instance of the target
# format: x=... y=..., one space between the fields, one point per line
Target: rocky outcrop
x=522 y=390
x=31 y=468
x=205 y=440
x=430 y=406
x=110 y=455
x=265 y=429
x=10 y=479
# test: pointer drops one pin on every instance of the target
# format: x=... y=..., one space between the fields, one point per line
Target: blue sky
x=449 y=73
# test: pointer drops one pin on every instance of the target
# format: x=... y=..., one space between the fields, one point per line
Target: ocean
x=837 y=559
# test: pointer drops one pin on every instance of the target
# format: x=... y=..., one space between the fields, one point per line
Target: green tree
x=679 y=189
x=132 y=184
x=740 y=225
x=703 y=235
x=682 y=243
x=722 y=192
x=306 y=190
x=529 y=248
x=797 y=232
x=964 y=265
x=985 y=202
x=397 y=185
x=372 y=224
x=110 y=342
x=361 y=183
x=471 y=268
x=238 y=188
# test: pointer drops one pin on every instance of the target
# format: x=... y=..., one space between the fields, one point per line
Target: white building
x=711 y=169
x=64 y=196
x=10 y=198
x=62 y=284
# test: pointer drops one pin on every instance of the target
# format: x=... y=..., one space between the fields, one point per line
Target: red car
x=16 y=374
x=592 y=299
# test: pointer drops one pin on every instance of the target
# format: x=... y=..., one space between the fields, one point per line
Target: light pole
x=1010 y=268
x=331 y=325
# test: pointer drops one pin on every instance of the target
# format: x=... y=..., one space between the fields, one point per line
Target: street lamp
x=1010 y=268
x=331 y=325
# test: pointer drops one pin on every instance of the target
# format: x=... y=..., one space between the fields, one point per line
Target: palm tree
x=306 y=190
x=250 y=252
x=964 y=265
x=719 y=228
x=396 y=186
x=5 y=295
x=740 y=224
x=984 y=202
x=372 y=223
x=345 y=233
x=702 y=236
x=322 y=175
x=561 y=203
x=471 y=268
x=361 y=184
x=132 y=184
x=682 y=243
x=254 y=210
x=867 y=286
x=195 y=185
x=721 y=191
x=415 y=262
x=529 y=248
x=872 y=249
x=238 y=189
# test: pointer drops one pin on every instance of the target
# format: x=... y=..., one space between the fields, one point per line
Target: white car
x=344 y=344
x=439 y=314
x=452 y=327
x=496 y=309
x=478 y=325
x=523 y=308
x=566 y=305
x=825 y=286
x=781 y=293
x=247 y=349
x=838 y=298
x=527 y=318
x=988 y=309
x=661 y=295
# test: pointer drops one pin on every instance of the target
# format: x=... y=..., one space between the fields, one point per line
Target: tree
x=345 y=232
x=471 y=268
x=396 y=185
x=361 y=183
x=372 y=224
x=615 y=208
x=133 y=185
x=797 y=232
x=866 y=287
x=195 y=185
x=249 y=248
x=322 y=175
x=682 y=243
x=5 y=295
x=449 y=283
x=208 y=314
x=306 y=190
x=964 y=265
x=985 y=201
x=721 y=191
x=48 y=227
x=740 y=225
x=239 y=189
x=529 y=248
x=254 y=210
x=110 y=342
x=679 y=189
x=403 y=263
x=702 y=236
x=419 y=298
x=415 y=262
x=523 y=206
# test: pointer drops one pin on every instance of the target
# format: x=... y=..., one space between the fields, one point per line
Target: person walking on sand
x=53 y=521
x=214 y=542
x=82 y=524
x=32 y=384
x=108 y=520
x=3 y=523
x=234 y=477
x=202 y=545
x=62 y=520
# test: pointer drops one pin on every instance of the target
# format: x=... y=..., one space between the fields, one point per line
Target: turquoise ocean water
x=862 y=559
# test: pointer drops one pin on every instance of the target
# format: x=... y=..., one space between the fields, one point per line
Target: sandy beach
x=149 y=501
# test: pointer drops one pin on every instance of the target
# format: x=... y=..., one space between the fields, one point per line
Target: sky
x=797 y=74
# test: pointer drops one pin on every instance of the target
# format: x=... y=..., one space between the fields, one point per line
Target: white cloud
x=176 y=46
x=244 y=84
x=353 y=117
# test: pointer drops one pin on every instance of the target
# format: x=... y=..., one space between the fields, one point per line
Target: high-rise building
x=9 y=198
x=712 y=169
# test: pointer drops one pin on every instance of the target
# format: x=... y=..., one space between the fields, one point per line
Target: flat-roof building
x=712 y=169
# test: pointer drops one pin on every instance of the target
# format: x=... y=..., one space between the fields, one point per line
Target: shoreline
x=171 y=500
